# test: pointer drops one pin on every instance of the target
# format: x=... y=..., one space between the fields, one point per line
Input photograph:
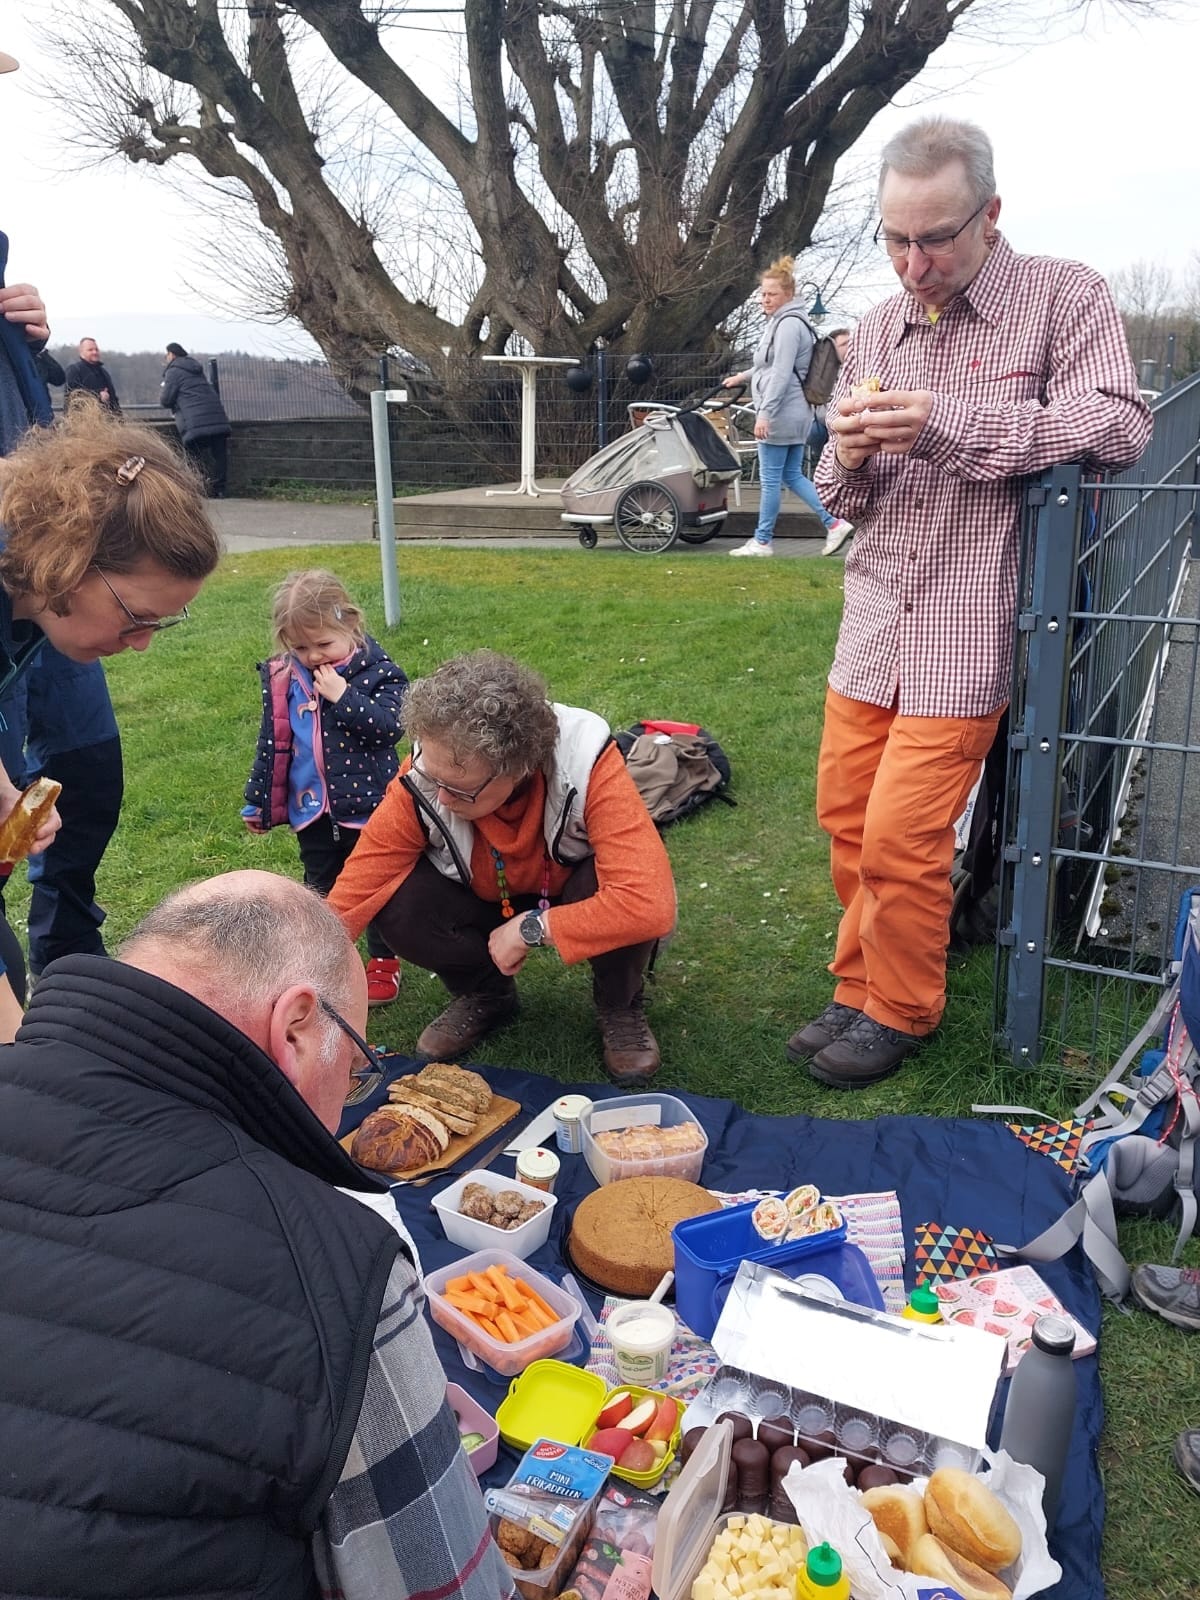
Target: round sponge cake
x=621 y=1234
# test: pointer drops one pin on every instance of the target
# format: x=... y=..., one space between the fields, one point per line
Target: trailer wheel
x=710 y=530
x=588 y=538
x=647 y=517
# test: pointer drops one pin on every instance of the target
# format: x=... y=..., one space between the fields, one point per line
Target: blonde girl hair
x=783 y=268
x=313 y=599
x=98 y=492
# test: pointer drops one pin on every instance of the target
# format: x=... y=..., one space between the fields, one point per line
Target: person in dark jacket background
x=90 y=374
x=199 y=417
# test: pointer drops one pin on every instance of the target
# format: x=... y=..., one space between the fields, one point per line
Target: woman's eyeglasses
x=140 y=624
x=446 y=788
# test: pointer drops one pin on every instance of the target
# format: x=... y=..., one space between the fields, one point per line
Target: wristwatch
x=533 y=929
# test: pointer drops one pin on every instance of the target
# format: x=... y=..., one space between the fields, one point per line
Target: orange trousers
x=889 y=791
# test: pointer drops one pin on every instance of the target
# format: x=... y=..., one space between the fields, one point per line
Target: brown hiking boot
x=823 y=1030
x=467 y=1020
x=866 y=1052
x=631 y=1055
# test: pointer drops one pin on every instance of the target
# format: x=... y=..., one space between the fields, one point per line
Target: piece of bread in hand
x=859 y=391
x=931 y=1558
x=967 y=1516
x=899 y=1512
x=19 y=830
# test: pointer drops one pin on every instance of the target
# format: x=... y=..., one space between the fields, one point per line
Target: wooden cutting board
x=498 y=1113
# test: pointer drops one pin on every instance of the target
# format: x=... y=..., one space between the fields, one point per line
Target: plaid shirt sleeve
x=406 y=1520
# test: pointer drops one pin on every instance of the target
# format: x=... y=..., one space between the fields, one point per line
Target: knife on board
x=539 y=1131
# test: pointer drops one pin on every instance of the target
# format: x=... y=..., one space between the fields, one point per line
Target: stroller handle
x=732 y=396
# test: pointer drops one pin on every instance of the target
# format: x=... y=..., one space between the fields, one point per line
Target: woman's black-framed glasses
x=371 y=1061
x=447 y=788
x=941 y=244
x=139 y=624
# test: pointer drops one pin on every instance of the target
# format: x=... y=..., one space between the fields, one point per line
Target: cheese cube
x=704 y=1589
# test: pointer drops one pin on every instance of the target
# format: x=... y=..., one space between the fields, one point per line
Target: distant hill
x=253 y=388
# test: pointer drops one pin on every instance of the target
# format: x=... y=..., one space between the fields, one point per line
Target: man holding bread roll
x=985 y=368
x=234 y=1390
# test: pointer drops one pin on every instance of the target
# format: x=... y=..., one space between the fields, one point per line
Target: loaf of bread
x=19 y=830
x=396 y=1139
x=898 y=1512
x=930 y=1558
x=965 y=1515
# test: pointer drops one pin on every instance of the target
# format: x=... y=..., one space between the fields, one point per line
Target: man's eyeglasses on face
x=371 y=1062
x=139 y=624
x=446 y=788
x=941 y=244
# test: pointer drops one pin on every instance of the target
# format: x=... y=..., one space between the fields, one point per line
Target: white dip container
x=641 y=1335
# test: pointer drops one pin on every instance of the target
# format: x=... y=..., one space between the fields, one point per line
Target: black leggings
x=325 y=849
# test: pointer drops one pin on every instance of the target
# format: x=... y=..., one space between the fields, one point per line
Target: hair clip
x=129 y=469
x=337 y=613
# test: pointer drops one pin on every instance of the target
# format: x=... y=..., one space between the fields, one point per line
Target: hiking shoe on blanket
x=823 y=1030
x=1174 y=1292
x=865 y=1053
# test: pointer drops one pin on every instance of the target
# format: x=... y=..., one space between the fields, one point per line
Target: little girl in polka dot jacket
x=327 y=745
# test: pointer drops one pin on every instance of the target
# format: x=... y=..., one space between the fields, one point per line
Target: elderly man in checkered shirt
x=987 y=367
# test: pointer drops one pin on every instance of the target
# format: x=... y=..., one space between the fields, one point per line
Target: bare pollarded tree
x=615 y=168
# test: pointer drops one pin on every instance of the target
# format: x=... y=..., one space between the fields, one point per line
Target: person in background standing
x=986 y=367
x=199 y=417
x=785 y=417
x=91 y=375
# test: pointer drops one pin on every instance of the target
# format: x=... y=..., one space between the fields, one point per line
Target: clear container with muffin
x=455 y=1203
x=649 y=1135
x=503 y=1356
x=534 y=1493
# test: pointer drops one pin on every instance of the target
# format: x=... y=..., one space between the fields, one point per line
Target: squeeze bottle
x=1041 y=1407
x=821 y=1577
x=923 y=1306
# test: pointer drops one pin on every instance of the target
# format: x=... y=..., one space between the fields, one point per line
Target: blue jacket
x=357 y=745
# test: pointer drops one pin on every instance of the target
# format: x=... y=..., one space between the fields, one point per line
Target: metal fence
x=1102 y=820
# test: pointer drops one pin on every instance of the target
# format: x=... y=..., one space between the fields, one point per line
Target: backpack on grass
x=1138 y=1157
x=677 y=766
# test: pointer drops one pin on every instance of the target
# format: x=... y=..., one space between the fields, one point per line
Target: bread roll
x=964 y=1513
x=398 y=1140
x=19 y=830
x=859 y=391
x=899 y=1512
x=891 y=1549
x=930 y=1558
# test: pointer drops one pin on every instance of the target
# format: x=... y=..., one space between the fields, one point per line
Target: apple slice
x=638 y=1456
x=619 y=1406
x=640 y=1418
x=609 y=1442
x=659 y=1446
x=666 y=1415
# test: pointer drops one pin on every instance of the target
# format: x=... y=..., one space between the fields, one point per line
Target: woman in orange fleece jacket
x=513 y=827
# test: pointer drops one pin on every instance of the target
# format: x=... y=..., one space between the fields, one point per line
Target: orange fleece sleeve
x=636 y=896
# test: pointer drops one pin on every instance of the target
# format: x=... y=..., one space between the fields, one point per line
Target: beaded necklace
x=506 y=905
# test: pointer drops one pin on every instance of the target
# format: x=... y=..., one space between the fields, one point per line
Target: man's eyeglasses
x=139 y=624
x=446 y=788
x=941 y=244
x=371 y=1062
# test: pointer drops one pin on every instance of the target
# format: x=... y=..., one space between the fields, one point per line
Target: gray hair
x=485 y=705
x=242 y=944
x=925 y=147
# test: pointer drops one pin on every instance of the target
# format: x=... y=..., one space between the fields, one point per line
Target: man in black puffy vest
x=216 y=1376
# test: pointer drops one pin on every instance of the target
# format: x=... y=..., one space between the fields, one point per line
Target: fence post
x=1169 y=372
x=385 y=513
x=213 y=375
x=1046 y=625
x=602 y=392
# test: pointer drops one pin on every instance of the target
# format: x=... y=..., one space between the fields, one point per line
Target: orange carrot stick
x=507 y=1326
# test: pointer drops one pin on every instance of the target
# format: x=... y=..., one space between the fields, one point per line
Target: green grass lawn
x=744 y=650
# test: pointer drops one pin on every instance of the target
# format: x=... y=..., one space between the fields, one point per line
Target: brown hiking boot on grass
x=467 y=1020
x=823 y=1030
x=866 y=1052
x=631 y=1055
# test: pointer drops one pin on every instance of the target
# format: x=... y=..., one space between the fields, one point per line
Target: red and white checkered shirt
x=1028 y=367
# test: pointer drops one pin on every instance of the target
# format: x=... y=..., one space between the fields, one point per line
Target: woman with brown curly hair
x=104 y=541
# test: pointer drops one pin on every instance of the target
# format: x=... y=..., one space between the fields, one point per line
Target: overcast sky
x=1096 y=158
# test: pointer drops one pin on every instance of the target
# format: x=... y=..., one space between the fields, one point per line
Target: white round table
x=529 y=370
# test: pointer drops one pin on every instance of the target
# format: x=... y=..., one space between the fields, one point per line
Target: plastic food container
x=708 y=1249
x=472 y=1418
x=637 y=1110
x=551 y=1580
x=647 y=1479
x=551 y=1399
x=641 y=1336
x=475 y=1235
x=506 y=1359
x=567 y=1131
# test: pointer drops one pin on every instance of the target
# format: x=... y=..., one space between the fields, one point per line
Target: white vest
x=582 y=735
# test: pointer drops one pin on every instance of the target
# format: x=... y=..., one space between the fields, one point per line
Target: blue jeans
x=779 y=464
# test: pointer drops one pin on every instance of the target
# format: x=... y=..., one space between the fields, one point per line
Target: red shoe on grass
x=383 y=980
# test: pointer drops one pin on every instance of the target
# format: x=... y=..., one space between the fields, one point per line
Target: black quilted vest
x=187 y=1305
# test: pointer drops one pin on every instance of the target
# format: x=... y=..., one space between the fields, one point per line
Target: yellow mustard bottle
x=922 y=1306
x=821 y=1577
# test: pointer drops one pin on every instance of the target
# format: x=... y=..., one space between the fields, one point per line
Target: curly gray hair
x=485 y=705
x=924 y=147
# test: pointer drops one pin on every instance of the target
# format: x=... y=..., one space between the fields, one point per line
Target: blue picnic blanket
x=959 y=1172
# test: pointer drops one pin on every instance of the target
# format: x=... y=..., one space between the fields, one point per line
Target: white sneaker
x=836 y=535
x=752 y=547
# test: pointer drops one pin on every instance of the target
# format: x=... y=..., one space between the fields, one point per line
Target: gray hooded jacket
x=784 y=351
